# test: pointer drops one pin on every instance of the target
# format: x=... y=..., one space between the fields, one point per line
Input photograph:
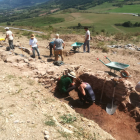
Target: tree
x=127 y=24
x=8 y=23
x=79 y=25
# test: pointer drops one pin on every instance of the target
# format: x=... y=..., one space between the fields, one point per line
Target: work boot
x=39 y=57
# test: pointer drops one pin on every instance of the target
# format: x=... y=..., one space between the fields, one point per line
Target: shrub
x=68 y=118
x=51 y=122
x=26 y=33
x=121 y=36
x=103 y=30
x=105 y=49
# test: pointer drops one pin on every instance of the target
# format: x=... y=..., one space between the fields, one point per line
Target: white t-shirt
x=33 y=42
x=10 y=35
x=87 y=33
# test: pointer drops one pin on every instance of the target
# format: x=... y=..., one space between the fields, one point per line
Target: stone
x=89 y=125
x=46 y=132
x=46 y=137
x=16 y=121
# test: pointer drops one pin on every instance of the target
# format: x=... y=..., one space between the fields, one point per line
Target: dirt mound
x=72 y=38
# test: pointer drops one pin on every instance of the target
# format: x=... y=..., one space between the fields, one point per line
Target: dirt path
x=117 y=28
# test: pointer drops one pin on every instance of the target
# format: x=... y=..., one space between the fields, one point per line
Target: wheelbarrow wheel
x=124 y=74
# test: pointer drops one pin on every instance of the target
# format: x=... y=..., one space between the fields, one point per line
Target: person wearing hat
x=66 y=83
x=34 y=46
x=58 y=47
x=9 y=36
x=85 y=92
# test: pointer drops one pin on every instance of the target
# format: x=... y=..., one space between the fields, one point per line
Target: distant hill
x=85 y=4
x=19 y=3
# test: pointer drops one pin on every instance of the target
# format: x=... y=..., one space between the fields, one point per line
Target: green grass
x=68 y=119
x=51 y=122
x=102 y=8
x=100 y=21
x=38 y=21
x=127 y=9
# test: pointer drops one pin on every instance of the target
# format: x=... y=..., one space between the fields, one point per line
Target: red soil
x=120 y=125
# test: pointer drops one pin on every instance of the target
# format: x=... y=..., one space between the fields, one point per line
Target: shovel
x=102 y=92
x=111 y=108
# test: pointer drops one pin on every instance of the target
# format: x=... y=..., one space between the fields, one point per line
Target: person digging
x=85 y=92
x=34 y=46
x=66 y=83
x=58 y=47
x=137 y=88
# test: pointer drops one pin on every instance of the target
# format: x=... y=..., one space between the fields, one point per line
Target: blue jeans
x=35 y=49
x=84 y=46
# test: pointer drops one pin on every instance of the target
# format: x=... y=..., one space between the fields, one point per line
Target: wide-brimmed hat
x=57 y=35
x=72 y=74
x=7 y=28
x=32 y=36
x=137 y=88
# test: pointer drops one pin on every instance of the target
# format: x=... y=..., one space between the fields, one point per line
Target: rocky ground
x=28 y=108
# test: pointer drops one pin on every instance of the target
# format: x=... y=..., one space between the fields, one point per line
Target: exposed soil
x=120 y=125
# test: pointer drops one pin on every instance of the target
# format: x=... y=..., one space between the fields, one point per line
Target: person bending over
x=66 y=83
x=85 y=92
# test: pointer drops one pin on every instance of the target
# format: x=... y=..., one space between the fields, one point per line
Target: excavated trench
x=122 y=125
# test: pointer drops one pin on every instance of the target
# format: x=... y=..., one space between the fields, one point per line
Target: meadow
x=99 y=22
x=127 y=9
x=38 y=21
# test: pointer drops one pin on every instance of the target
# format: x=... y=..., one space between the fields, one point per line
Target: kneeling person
x=85 y=92
x=66 y=83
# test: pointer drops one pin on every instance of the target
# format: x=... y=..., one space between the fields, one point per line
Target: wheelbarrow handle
x=100 y=61
x=107 y=58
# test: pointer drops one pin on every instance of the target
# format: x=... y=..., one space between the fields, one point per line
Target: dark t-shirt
x=64 y=83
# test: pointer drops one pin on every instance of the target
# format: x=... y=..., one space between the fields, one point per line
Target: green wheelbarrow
x=117 y=67
x=76 y=46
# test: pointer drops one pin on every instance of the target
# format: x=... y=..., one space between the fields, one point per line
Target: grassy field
x=39 y=21
x=127 y=9
x=105 y=7
x=100 y=21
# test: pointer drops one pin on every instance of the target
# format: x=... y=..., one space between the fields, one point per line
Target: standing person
x=34 y=46
x=85 y=92
x=66 y=83
x=51 y=44
x=58 y=47
x=9 y=36
x=87 y=39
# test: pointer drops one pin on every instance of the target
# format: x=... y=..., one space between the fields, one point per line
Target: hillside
x=102 y=14
x=19 y=3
